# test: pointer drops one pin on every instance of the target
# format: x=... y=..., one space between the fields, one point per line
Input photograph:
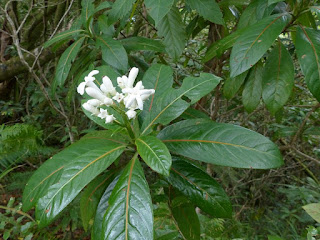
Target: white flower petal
x=90 y=108
x=94 y=93
x=132 y=76
x=94 y=102
x=93 y=85
x=93 y=72
x=110 y=119
x=108 y=101
x=103 y=113
x=80 y=88
x=139 y=102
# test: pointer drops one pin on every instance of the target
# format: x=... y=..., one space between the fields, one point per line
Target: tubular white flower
x=94 y=102
x=110 y=119
x=131 y=114
x=94 y=93
x=103 y=113
x=88 y=81
x=132 y=76
x=118 y=97
x=120 y=82
x=108 y=101
x=107 y=86
x=90 y=108
x=135 y=96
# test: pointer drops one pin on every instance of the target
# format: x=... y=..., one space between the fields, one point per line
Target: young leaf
x=158 y=8
x=91 y=197
x=113 y=52
x=49 y=172
x=65 y=62
x=172 y=29
x=80 y=170
x=255 y=41
x=186 y=217
x=208 y=9
x=86 y=12
x=63 y=36
x=119 y=9
x=252 y=90
x=221 y=144
x=170 y=105
x=103 y=205
x=154 y=153
x=200 y=188
x=129 y=215
x=313 y=210
x=308 y=51
x=142 y=44
x=232 y=85
x=278 y=78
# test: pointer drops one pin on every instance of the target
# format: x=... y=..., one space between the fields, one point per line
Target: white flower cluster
x=106 y=95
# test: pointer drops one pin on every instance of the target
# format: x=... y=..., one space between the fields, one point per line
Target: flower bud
x=131 y=114
x=132 y=76
x=90 y=108
x=110 y=118
x=94 y=102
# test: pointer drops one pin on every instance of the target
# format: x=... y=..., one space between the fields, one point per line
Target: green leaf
x=255 y=41
x=221 y=144
x=278 y=78
x=200 y=188
x=256 y=10
x=119 y=9
x=65 y=62
x=101 y=209
x=50 y=172
x=87 y=11
x=91 y=197
x=158 y=8
x=106 y=29
x=172 y=29
x=252 y=90
x=192 y=113
x=157 y=77
x=232 y=85
x=186 y=217
x=113 y=53
x=308 y=51
x=102 y=6
x=154 y=153
x=208 y=9
x=129 y=215
x=63 y=36
x=142 y=44
x=98 y=154
x=170 y=105
x=219 y=47
x=313 y=210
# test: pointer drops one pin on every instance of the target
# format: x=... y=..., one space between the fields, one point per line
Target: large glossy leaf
x=76 y=174
x=119 y=9
x=277 y=78
x=308 y=51
x=158 y=8
x=103 y=205
x=200 y=188
x=192 y=113
x=221 y=144
x=141 y=43
x=50 y=172
x=217 y=48
x=113 y=52
x=129 y=215
x=155 y=154
x=232 y=85
x=186 y=218
x=255 y=41
x=255 y=11
x=172 y=29
x=65 y=62
x=252 y=90
x=157 y=77
x=91 y=196
x=208 y=9
x=63 y=36
x=170 y=106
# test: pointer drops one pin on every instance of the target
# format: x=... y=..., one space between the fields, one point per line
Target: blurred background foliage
x=41 y=113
